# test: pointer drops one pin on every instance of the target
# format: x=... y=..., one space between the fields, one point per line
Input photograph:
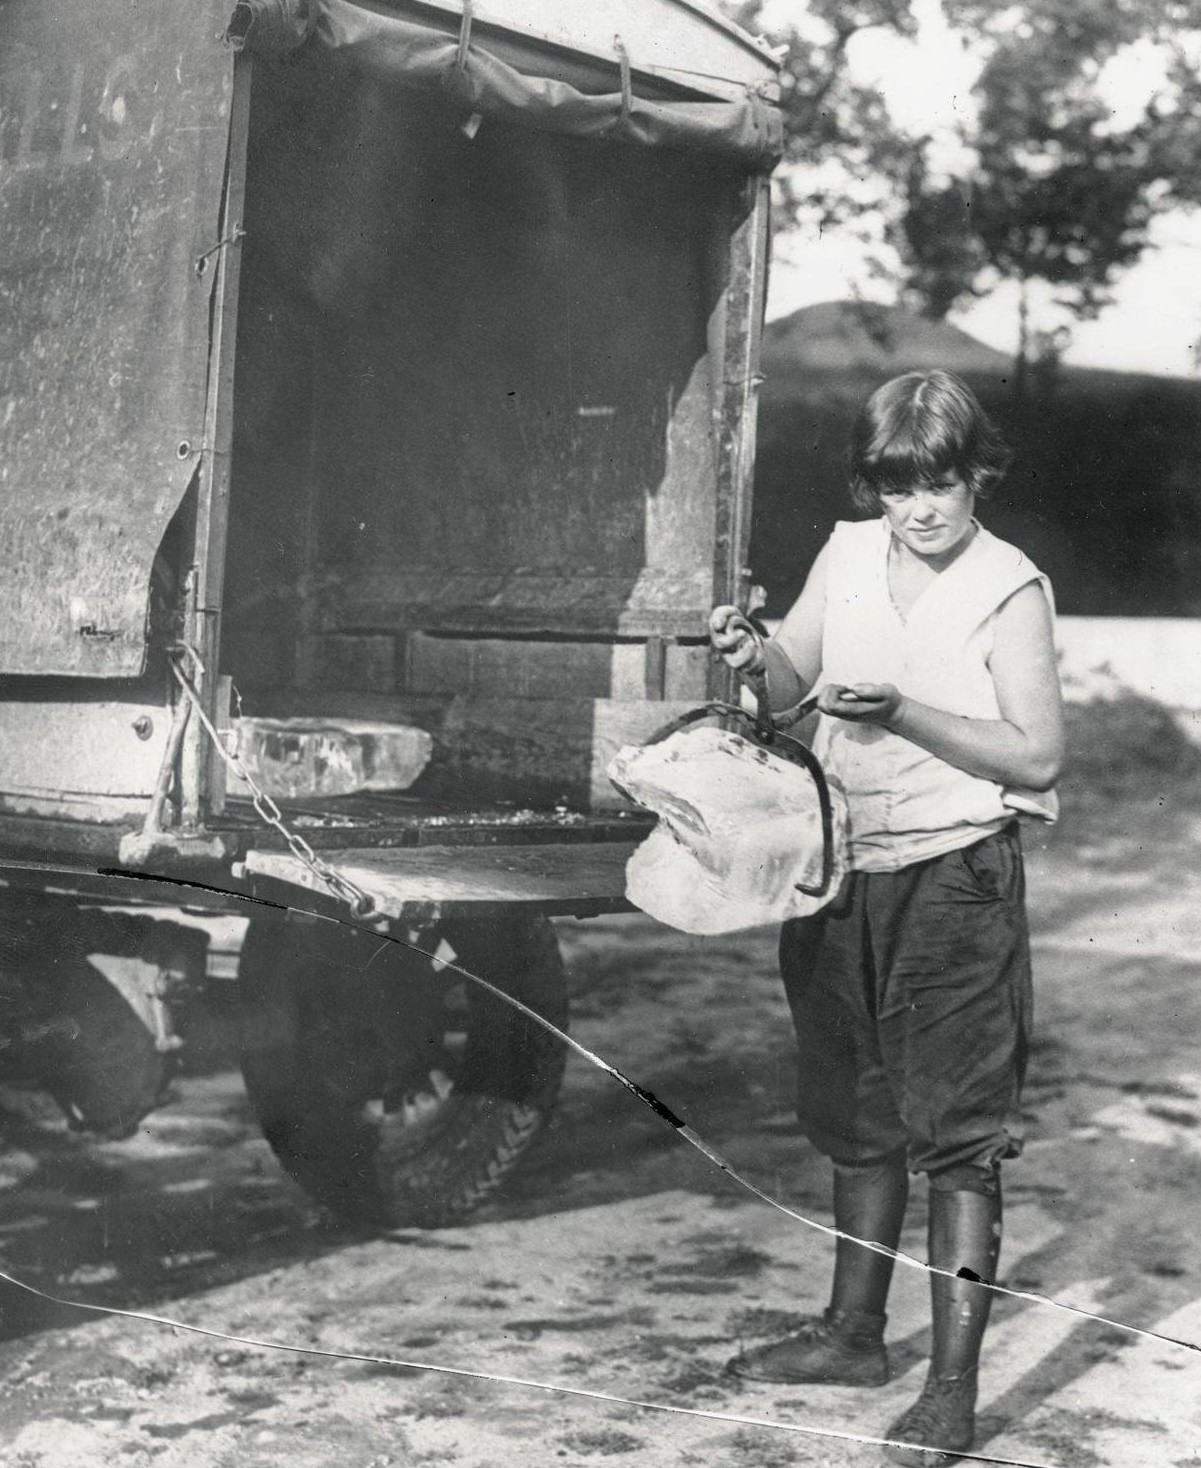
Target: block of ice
x=308 y=758
x=739 y=827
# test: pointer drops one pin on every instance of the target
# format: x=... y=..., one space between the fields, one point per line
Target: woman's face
x=931 y=520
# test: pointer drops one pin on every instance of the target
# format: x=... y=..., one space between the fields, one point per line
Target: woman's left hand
x=862 y=703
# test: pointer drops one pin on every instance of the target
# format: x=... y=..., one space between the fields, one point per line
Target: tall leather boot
x=844 y=1346
x=965 y=1240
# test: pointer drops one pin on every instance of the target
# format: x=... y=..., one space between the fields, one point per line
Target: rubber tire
x=97 y=1056
x=109 y=1074
x=330 y=1016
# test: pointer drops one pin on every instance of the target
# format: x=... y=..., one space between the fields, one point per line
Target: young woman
x=930 y=641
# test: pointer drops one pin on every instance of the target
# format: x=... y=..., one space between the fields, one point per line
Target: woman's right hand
x=735 y=641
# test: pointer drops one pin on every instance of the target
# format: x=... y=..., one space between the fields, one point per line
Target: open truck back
x=377 y=406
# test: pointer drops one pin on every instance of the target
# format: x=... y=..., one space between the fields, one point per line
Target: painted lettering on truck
x=69 y=119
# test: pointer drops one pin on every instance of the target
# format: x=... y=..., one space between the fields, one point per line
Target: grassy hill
x=1105 y=488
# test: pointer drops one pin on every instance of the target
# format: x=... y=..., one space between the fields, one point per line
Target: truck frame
x=377 y=406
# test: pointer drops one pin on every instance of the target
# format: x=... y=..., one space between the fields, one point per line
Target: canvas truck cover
x=436 y=49
x=113 y=136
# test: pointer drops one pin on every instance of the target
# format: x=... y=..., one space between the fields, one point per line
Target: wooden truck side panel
x=470 y=439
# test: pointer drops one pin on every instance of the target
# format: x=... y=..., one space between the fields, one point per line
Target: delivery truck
x=377 y=405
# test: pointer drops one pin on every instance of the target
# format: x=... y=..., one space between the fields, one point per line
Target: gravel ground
x=619 y=1262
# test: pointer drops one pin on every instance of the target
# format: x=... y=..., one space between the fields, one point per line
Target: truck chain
x=361 y=903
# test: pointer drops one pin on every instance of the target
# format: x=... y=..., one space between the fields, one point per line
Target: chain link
x=361 y=903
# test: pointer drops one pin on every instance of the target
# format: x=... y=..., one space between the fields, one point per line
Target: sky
x=1154 y=324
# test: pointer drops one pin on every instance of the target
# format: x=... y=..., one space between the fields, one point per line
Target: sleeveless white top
x=907 y=805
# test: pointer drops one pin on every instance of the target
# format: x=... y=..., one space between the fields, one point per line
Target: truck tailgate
x=419 y=884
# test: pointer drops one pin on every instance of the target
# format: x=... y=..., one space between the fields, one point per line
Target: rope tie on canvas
x=462 y=81
x=627 y=85
x=465 y=25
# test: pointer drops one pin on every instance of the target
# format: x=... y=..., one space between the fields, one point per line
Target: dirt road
x=620 y=1262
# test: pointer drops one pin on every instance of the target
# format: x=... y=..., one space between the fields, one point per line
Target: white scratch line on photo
x=735 y=1418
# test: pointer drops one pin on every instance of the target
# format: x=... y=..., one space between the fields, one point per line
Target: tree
x=829 y=119
x=1056 y=192
x=1052 y=190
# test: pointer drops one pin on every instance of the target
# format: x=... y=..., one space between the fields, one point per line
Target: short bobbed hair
x=919 y=428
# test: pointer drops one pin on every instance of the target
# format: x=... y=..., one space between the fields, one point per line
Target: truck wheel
x=100 y=1062
x=70 y=1024
x=393 y=1090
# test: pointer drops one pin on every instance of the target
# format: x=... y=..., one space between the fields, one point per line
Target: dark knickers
x=911 y=1000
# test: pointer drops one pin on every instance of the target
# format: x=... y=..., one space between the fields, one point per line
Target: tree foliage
x=1056 y=190
x=838 y=130
x=1051 y=186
